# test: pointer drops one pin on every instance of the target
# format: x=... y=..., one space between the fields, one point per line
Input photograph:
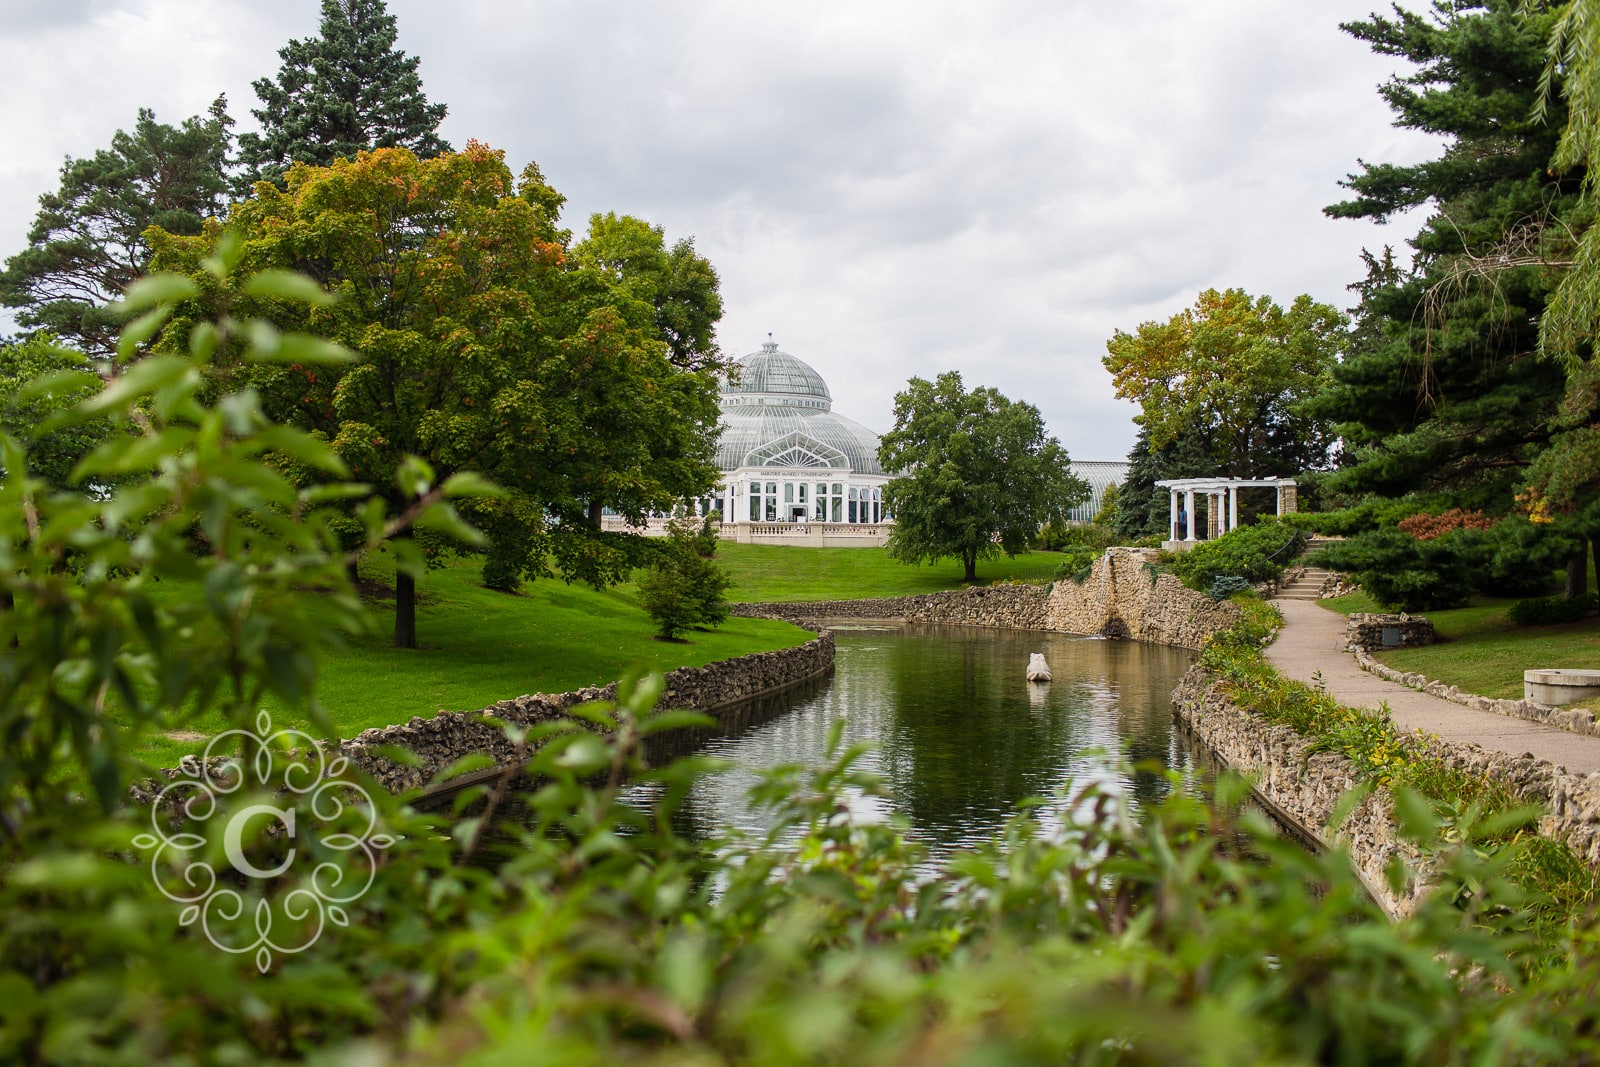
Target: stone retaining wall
x=1016 y=607
x=1576 y=720
x=1305 y=786
x=1571 y=802
x=449 y=736
x=1122 y=597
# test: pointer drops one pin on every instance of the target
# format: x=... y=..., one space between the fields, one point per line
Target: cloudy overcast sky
x=890 y=187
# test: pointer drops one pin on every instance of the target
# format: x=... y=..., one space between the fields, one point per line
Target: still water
x=959 y=733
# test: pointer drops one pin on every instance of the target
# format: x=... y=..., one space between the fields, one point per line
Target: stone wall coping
x=1559 y=675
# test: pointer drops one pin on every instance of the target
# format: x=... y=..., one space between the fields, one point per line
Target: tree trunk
x=1578 y=574
x=596 y=510
x=970 y=561
x=405 y=610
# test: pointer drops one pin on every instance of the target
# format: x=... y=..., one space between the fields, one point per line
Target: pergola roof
x=1202 y=484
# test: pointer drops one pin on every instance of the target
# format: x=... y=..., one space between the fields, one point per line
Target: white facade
x=786 y=456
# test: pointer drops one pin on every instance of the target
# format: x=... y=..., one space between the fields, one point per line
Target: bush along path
x=1467 y=794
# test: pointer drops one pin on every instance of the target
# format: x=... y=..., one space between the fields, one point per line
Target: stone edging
x=1575 y=721
x=1015 y=607
x=441 y=740
x=1303 y=785
x=1306 y=785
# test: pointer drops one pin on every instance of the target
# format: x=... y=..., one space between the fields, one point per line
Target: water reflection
x=961 y=735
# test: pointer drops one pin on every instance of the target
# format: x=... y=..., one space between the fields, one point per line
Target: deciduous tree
x=484 y=346
x=437 y=265
x=976 y=473
x=1238 y=369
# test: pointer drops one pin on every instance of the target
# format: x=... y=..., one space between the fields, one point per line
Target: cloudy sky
x=890 y=187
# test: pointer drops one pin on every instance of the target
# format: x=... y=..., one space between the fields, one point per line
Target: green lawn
x=775 y=573
x=1482 y=651
x=480 y=646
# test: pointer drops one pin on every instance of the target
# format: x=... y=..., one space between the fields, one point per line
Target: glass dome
x=772 y=375
x=778 y=413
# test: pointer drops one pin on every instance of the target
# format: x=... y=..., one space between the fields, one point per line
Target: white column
x=1233 y=507
x=1189 y=534
x=1172 y=501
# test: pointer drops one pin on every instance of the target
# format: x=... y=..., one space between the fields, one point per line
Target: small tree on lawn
x=685 y=588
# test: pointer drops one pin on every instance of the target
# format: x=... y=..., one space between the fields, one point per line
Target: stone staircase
x=1307 y=586
x=1311 y=581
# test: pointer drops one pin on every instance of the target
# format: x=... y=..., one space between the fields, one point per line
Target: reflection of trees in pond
x=962 y=735
x=968 y=736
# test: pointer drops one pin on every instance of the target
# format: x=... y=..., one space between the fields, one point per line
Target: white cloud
x=893 y=188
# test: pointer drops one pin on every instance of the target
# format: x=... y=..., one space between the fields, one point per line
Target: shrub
x=1521 y=558
x=1551 y=610
x=684 y=587
x=1059 y=537
x=1075 y=563
x=1255 y=553
x=1513 y=558
x=1403 y=573
x=1225 y=585
x=1426 y=527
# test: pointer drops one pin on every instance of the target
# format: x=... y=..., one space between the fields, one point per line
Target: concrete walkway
x=1312 y=640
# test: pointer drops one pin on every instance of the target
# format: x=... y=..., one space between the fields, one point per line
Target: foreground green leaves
x=569 y=916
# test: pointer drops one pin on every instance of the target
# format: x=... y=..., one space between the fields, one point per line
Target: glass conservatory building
x=787 y=457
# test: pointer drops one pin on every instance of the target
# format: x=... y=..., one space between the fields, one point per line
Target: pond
x=959 y=733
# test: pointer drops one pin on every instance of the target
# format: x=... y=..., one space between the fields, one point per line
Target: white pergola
x=1222 y=495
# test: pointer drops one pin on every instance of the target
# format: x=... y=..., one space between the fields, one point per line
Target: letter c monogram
x=232 y=840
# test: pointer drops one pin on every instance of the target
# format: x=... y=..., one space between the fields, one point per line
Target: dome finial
x=769 y=345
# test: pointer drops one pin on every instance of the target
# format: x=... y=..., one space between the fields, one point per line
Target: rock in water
x=1038 y=669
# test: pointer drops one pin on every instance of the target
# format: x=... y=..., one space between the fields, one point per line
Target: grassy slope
x=480 y=646
x=779 y=573
x=1482 y=651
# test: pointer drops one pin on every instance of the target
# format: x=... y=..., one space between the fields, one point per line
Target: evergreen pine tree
x=1442 y=392
x=87 y=243
x=346 y=90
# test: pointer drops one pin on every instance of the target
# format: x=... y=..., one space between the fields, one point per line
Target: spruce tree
x=87 y=243
x=346 y=90
x=1443 y=393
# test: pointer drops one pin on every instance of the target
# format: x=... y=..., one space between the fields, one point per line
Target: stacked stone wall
x=1303 y=785
x=1016 y=607
x=1124 y=597
x=445 y=738
x=1365 y=631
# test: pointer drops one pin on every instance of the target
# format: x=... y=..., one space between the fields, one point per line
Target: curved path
x=1312 y=640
